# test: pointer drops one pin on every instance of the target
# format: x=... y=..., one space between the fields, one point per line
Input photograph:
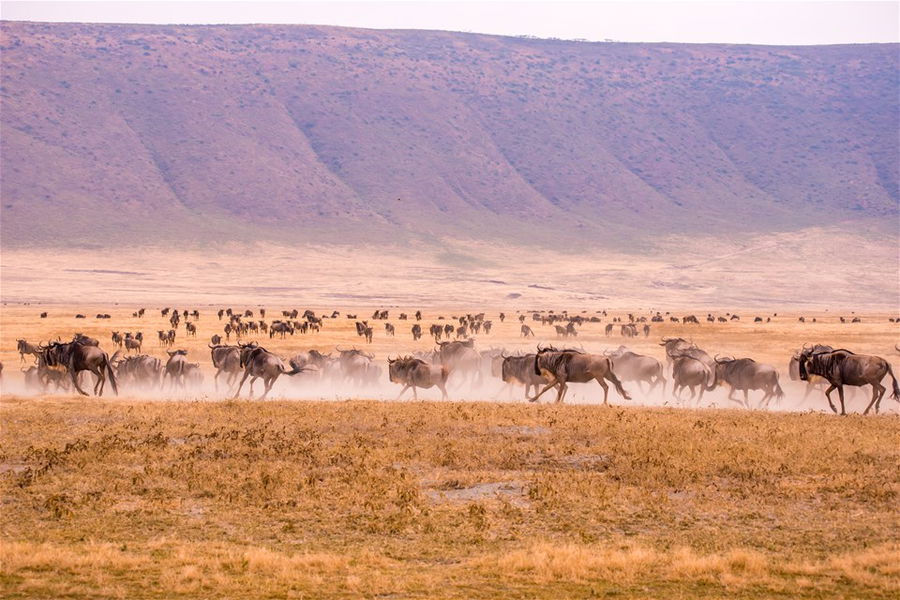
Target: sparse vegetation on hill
x=301 y=133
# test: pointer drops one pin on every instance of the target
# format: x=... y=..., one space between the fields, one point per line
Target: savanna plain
x=347 y=494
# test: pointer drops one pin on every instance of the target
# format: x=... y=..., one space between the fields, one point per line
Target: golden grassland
x=129 y=499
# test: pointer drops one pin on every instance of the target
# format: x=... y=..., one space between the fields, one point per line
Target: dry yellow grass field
x=198 y=496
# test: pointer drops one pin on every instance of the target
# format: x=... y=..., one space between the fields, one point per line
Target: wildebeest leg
x=267 y=386
x=841 y=396
x=828 y=397
x=415 y=395
x=101 y=379
x=75 y=382
x=547 y=387
x=700 y=398
x=746 y=398
x=605 y=390
x=405 y=387
x=561 y=392
x=877 y=392
x=238 y=392
x=443 y=389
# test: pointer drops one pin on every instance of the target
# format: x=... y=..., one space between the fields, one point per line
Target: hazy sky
x=636 y=21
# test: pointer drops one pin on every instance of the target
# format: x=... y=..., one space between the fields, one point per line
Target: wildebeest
x=629 y=330
x=630 y=366
x=23 y=348
x=526 y=330
x=258 y=362
x=674 y=347
x=226 y=359
x=175 y=368
x=43 y=315
x=416 y=373
x=139 y=370
x=689 y=372
x=842 y=367
x=191 y=329
x=216 y=339
x=520 y=370
x=461 y=358
x=416 y=331
x=389 y=329
x=117 y=338
x=646 y=330
x=813 y=380
x=358 y=367
x=746 y=374
x=608 y=330
x=133 y=343
x=76 y=356
x=573 y=366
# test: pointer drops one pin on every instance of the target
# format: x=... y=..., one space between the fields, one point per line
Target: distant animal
x=416 y=331
x=842 y=367
x=416 y=373
x=526 y=331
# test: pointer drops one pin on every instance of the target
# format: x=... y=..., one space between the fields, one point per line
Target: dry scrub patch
x=357 y=499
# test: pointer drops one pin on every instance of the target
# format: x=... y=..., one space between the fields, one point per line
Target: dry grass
x=134 y=499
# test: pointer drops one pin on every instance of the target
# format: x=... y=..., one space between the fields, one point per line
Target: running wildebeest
x=226 y=359
x=842 y=367
x=416 y=373
x=175 y=368
x=813 y=380
x=574 y=366
x=746 y=374
x=630 y=366
x=139 y=370
x=461 y=358
x=23 y=348
x=77 y=356
x=689 y=372
x=358 y=367
x=258 y=362
x=520 y=370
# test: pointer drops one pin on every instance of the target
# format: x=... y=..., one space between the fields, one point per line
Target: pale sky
x=637 y=21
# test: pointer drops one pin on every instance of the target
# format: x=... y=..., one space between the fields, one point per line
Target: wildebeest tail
x=896 y=391
x=295 y=370
x=111 y=375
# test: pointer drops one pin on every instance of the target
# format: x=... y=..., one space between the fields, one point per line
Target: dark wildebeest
x=520 y=370
x=416 y=373
x=216 y=339
x=526 y=330
x=191 y=329
x=226 y=359
x=563 y=367
x=637 y=367
x=416 y=331
x=117 y=338
x=690 y=319
x=842 y=367
x=746 y=374
x=43 y=315
x=608 y=330
x=812 y=381
x=175 y=368
x=647 y=330
x=76 y=356
x=689 y=372
x=23 y=348
x=487 y=327
x=258 y=362
x=139 y=370
x=561 y=331
x=418 y=315
x=389 y=329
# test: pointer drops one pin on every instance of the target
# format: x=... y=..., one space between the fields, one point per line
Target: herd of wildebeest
x=58 y=365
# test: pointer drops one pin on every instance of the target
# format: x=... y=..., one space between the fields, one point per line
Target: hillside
x=158 y=134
